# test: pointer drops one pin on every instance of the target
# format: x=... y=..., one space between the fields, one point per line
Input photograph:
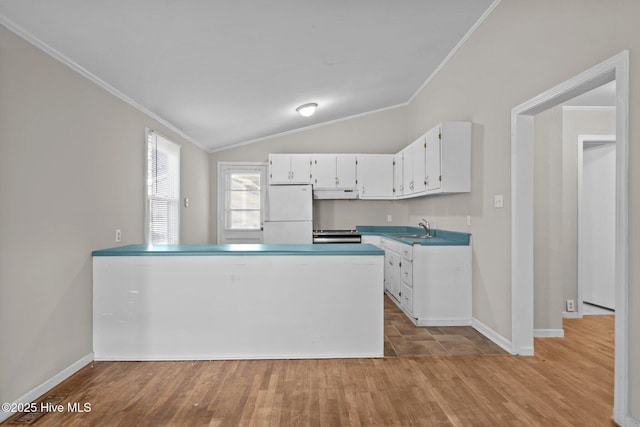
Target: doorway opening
x=596 y=221
x=522 y=232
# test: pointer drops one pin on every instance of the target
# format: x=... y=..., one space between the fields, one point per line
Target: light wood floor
x=569 y=382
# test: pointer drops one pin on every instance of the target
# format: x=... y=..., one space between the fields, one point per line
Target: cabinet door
x=406 y=299
x=300 y=169
x=407 y=171
x=346 y=171
x=418 y=155
x=279 y=168
x=455 y=157
x=432 y=160
x=398 y=186
x=323 y=171
x=375 y=176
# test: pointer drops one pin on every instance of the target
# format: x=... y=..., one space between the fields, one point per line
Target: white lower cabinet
x=432 y=284
x=392 y=273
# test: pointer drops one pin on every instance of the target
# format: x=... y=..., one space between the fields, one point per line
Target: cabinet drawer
x=407 y=273
x=406 y=298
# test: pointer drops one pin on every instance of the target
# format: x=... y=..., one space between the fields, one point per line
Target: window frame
x=148 y=226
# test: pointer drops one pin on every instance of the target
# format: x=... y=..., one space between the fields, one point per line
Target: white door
x=241 y=202
x=597 y=224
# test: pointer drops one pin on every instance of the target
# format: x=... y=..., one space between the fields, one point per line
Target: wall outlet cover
x=571 y=305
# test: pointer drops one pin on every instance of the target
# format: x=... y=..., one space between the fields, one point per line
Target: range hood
x=335 y=194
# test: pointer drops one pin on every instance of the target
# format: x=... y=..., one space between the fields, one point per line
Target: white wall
x=547 y=217
x=71 y=172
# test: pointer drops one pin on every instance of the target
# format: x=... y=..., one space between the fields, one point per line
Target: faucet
x=427 y=227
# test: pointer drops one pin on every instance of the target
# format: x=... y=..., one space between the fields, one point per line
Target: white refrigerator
x=289 y=215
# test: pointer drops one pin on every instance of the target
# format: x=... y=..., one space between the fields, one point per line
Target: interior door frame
x=582 y=140
x=522 y=127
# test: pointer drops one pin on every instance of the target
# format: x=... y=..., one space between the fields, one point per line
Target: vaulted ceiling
x=226 y=72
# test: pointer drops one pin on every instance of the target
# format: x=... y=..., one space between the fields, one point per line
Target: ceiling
x=228 y=72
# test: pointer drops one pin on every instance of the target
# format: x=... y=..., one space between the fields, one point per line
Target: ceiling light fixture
x=307 y=110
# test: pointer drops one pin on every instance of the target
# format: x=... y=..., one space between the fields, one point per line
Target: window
x=241 y=192
x=242 y=200
x=163 y=191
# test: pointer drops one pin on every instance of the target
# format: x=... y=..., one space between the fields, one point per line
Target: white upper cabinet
x=418 y=149
x=333 y=171
x=438 y=162
x=398 y=185
x=375 y=176
x=407 y=171
x=448 y=158
x=410 y=170
x=432 y=164
x=289 y=169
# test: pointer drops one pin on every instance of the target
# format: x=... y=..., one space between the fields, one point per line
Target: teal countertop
x=343 y=249
x=439 y=237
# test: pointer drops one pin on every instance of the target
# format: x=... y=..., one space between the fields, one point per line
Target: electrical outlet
x=498 y=201
x=571 y=305
x=118 y=236
x=389 y=218
x=468 y=219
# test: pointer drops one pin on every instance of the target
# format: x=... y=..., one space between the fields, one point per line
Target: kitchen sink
x=412 y=236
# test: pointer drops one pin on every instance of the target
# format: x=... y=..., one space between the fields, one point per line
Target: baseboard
x=630 y=422
x=438 y=322
x=498 y=339
x=571 y=315
x=49 y=384
x=548 y=333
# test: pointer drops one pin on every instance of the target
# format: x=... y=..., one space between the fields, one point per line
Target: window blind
x=163 y=190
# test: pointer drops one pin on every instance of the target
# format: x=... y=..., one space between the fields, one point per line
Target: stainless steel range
x=336 y=236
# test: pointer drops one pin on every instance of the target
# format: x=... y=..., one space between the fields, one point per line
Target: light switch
x=498 y=201
x=186 y=202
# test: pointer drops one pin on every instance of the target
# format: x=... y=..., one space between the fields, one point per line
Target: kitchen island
x=201 y=302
